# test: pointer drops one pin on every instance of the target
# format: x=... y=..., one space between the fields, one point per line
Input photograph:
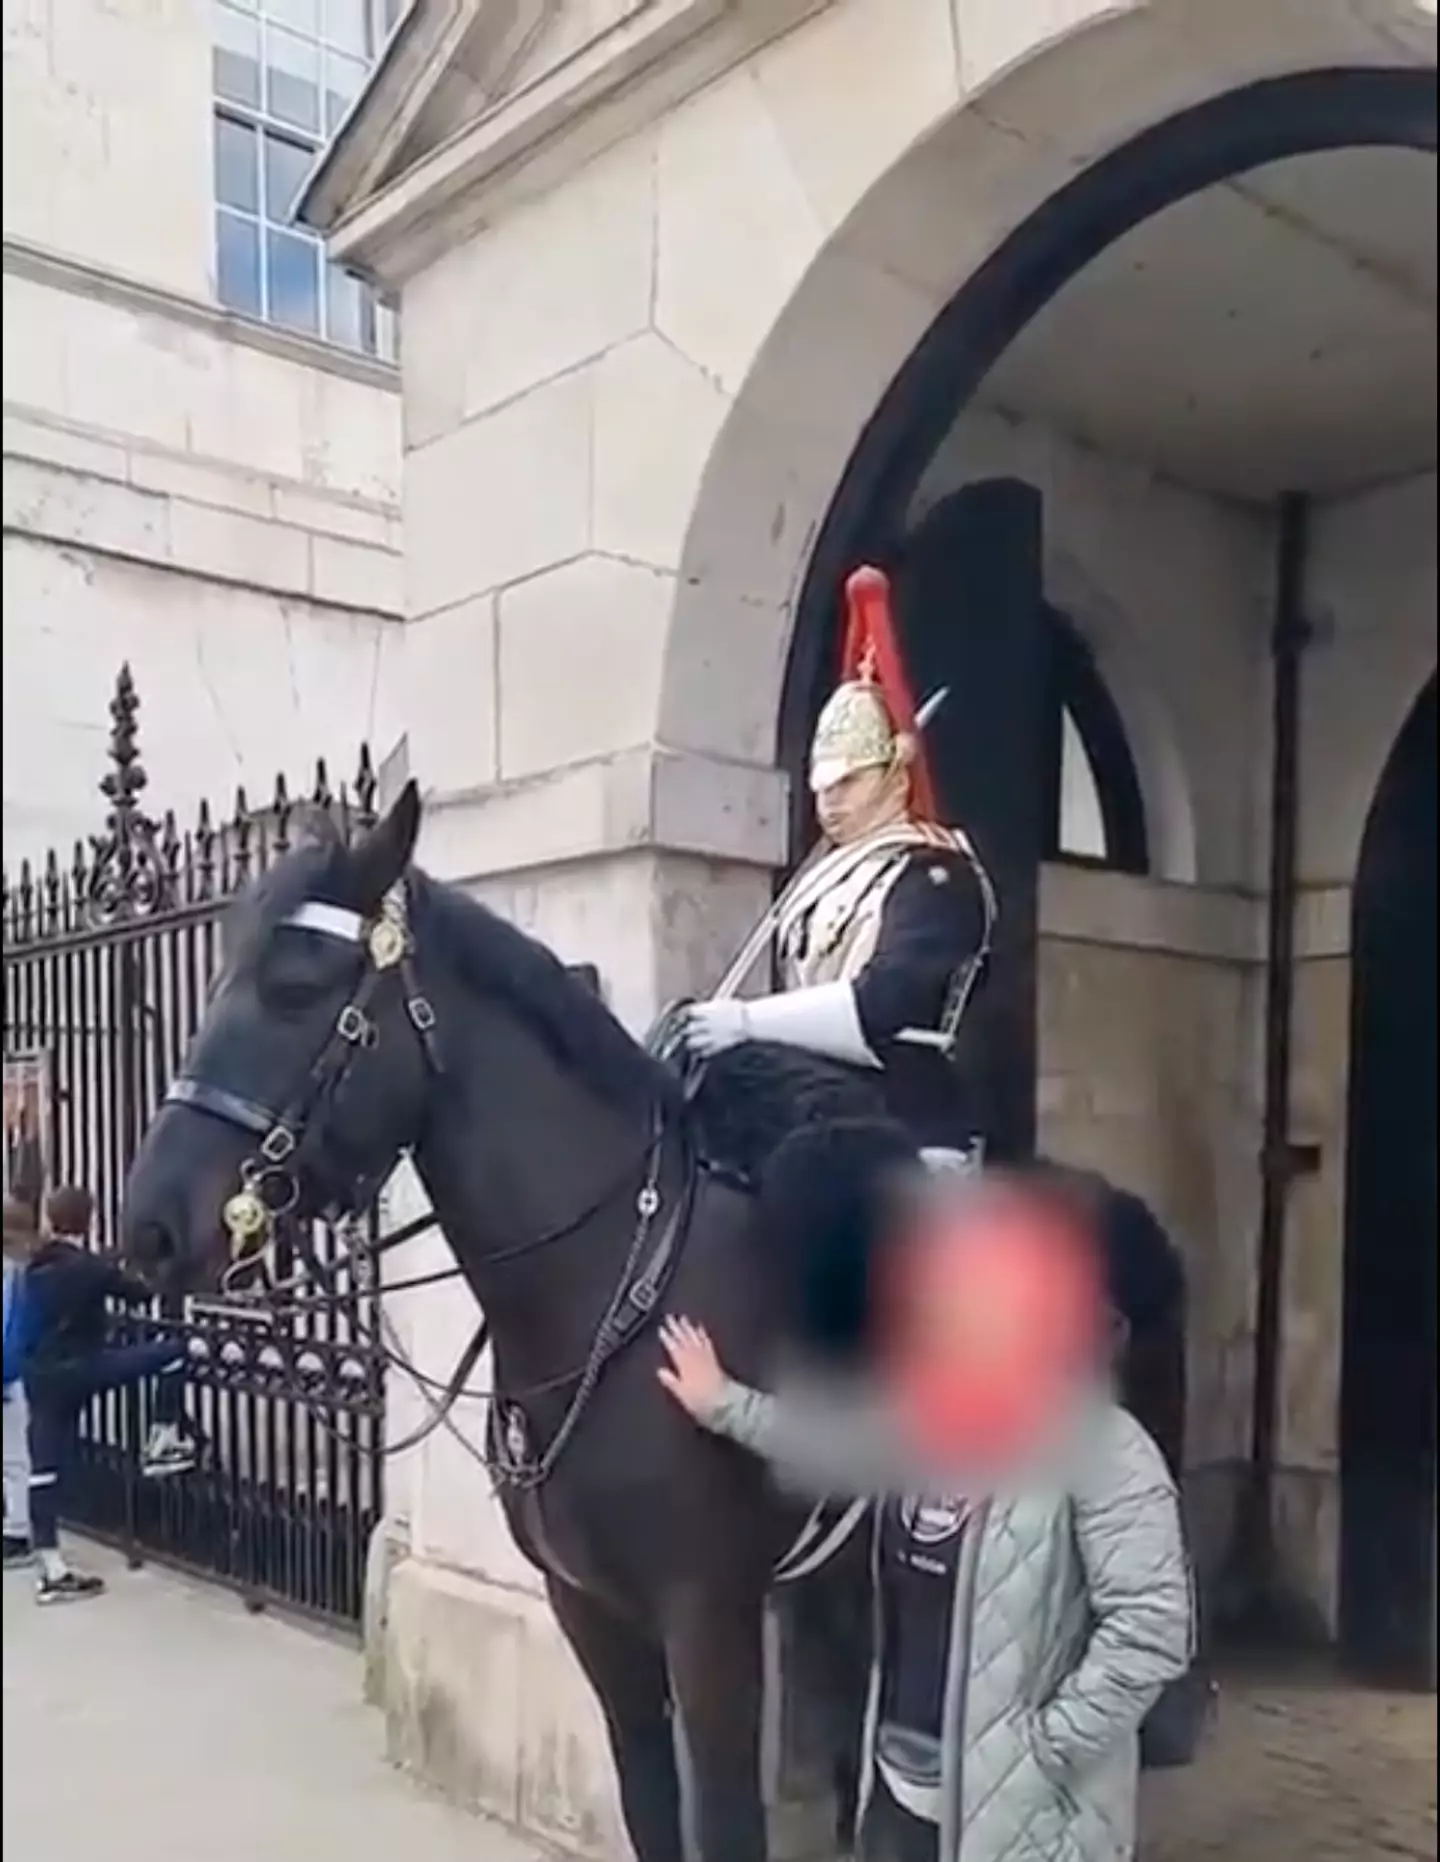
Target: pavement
x=161 y=1723
x=164 y=1722
x=1304 y=1769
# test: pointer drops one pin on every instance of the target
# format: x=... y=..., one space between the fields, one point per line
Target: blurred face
x=993 y=1321
x=943 y=1324
x=862 y=802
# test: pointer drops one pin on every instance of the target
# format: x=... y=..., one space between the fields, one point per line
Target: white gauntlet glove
x=711 y=1027
x=824 y=1020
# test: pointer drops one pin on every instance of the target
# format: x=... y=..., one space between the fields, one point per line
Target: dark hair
x=829 y=1211
x=69 y=1210
x=1145 y=1275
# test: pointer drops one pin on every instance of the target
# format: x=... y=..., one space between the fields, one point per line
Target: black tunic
x=932 y=924
x=920 y=1545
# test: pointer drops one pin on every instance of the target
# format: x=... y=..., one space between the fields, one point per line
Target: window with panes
x=285 y=73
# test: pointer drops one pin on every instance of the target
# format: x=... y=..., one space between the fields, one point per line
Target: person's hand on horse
x=695 y=1377
x=711 y=1027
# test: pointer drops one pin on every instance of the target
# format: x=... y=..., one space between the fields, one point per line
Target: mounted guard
x=881 y=938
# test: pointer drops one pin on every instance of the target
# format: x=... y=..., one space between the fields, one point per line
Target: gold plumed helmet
x=868 y=721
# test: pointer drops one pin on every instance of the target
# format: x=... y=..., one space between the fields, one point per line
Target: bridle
x=270 y=1186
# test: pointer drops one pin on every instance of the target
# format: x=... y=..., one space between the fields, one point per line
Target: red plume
x=871 y=651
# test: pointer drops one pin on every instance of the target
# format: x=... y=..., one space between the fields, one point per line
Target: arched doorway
x=995 y=550
x=1228 y=136
x=1387 y=1406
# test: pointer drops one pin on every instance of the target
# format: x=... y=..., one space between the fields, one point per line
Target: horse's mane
x=748 y=1099
x=498 y=959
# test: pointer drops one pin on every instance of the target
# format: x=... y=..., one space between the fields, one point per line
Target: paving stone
x=1301 y=1771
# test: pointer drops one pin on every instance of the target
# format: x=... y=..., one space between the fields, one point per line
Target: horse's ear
x=380 y=859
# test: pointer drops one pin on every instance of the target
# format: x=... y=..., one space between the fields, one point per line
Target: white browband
x=332 y=920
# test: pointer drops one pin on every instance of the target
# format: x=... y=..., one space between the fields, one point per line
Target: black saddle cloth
x=748 y=1102
x=810 y=1139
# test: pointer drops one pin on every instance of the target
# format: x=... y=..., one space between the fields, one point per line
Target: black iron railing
x=108 y=958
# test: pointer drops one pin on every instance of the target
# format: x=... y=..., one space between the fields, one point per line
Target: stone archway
x=890 y=289
x=919 y=286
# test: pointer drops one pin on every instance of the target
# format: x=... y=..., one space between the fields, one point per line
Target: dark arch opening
x=1244 y=129
x=1080 y=695
x=1388 y=1364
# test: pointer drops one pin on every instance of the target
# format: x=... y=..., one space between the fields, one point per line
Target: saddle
x=810 y=1140
x=747 y=1103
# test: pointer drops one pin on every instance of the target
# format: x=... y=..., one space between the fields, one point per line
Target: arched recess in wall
x=1388 y=1366
x=994 y=549
x=1119 y=660
x=1096 y=811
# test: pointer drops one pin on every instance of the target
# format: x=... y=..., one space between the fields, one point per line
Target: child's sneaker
x=169 y=1451
x=69 y=1587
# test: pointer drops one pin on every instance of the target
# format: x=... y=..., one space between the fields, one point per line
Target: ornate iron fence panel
x=108 y=959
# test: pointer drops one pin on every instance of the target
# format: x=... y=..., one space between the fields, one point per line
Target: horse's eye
x=293 y=973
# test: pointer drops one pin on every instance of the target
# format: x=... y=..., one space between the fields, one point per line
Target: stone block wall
x=1308 y=1481
x=108 y=137
x=211 y=502
x=1147 y=1073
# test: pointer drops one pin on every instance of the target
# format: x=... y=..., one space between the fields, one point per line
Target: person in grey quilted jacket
x=1022 y=1636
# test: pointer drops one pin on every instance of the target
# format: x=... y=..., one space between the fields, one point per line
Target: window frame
x=376 y=332
x=1077 y=688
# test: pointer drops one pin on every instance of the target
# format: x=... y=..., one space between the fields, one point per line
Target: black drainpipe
x=1261 y=1601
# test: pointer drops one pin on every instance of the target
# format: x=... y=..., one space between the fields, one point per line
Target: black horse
x=364 y=1011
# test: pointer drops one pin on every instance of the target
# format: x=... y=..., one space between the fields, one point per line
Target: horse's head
x=310 y=1072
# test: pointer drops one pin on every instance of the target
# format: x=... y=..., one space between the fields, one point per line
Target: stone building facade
x=213 y=497
x=702 y=300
